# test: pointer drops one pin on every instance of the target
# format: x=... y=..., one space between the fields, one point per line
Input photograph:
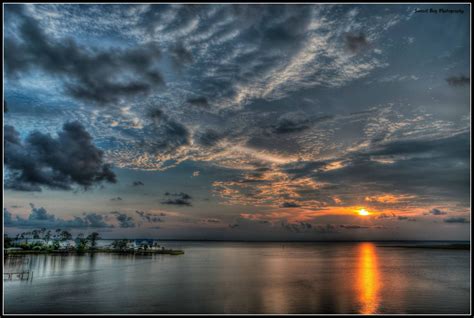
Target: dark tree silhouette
x=92 y=239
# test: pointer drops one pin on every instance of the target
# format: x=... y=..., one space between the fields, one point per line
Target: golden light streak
x=368 y=279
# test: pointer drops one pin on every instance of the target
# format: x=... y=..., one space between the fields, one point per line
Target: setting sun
x=363 y=212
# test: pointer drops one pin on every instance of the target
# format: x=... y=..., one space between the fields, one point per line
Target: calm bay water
x=224 y=277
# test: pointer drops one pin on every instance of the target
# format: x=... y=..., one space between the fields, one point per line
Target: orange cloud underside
x=389 y=198
x=301 y=214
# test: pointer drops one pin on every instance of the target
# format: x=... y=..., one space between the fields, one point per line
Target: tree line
x=51 y=239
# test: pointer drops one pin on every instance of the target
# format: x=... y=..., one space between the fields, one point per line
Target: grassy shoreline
x=109 y=251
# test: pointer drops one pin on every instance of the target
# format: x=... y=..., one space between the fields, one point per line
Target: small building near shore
x=68 y=244
x=148 y=244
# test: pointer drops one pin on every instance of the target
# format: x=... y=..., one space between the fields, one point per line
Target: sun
x=363 y=212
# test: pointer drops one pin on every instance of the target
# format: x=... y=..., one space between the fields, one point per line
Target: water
x=228 y=277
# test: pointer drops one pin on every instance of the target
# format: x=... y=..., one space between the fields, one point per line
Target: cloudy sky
x=246 y=122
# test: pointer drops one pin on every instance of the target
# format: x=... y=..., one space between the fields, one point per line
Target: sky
x=238 y=122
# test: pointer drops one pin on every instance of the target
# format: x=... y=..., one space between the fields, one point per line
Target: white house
x=65 y=245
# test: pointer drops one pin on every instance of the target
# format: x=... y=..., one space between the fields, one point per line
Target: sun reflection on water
x=368 y=279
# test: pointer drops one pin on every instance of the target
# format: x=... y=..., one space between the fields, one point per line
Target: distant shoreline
x=298 y=241
x=440 y=246
x=98 y=251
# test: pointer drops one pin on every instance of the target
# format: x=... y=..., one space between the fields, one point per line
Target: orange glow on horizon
x=307 y=214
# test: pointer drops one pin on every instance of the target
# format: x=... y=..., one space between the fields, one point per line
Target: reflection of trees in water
x=16 y=262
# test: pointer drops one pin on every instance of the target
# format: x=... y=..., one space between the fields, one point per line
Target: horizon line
x=280 y=241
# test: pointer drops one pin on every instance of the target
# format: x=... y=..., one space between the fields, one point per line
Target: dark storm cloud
x=255 y=176
x=156 y=114
x=274 y=31
x=356 y=43
x=95 y=220
x=437 y=212
x=208 y=138
x=199 y=101
x=452 y=146
x=458 y=81
x=11 y=135
x=102 y=77
x=435 y=167
x=281 y=26
x=177 y=199
x=169 y=134
x=58 y=163
x=149 y=217
x=289 y=33
x=137 y=183
x=290 y=205
x=295 y=122
x=181 y=55
x=456 y=220
x=177 y=133
x=289 y=125
x=39 y=217
x=181 y=195
x=124 y=220
x=304 y=168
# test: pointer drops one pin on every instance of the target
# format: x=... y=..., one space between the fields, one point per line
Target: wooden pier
x=24 y=275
